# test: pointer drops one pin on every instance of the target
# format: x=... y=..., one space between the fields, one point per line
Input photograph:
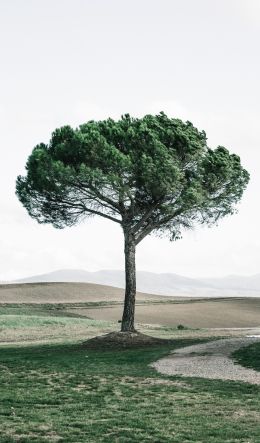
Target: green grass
x=249 y=356
x=63 y=392
x=70 y=394
x=31 y=321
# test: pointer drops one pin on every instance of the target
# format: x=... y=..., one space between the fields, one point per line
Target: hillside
x=63 y=293
x=164 y=284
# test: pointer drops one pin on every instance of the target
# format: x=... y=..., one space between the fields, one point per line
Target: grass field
x=65 y=393
x=54 y=389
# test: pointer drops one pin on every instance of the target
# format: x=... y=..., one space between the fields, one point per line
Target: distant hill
x=251 y=282
x=153 y=283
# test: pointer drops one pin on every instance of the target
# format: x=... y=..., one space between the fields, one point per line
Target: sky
x=69 y=61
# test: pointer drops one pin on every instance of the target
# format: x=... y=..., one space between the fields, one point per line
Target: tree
x=150 y=175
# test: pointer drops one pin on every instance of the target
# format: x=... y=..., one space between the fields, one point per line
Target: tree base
x=123 y=340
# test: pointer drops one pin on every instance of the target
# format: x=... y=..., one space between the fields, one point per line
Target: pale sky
x=68 y=61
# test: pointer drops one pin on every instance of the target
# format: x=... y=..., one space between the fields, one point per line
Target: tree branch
x=146 y=216
x=92 y=211
x=104 y=198
x=155 y=225
x=83 y=208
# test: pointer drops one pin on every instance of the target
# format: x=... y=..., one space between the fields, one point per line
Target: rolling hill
x=64 y=293
x=164 y=284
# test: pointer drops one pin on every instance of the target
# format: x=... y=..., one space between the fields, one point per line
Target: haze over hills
x=164 y=284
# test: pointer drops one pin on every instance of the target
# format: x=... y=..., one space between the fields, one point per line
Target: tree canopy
x=153 y=174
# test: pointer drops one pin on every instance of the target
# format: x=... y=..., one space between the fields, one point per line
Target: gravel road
x=210 y=360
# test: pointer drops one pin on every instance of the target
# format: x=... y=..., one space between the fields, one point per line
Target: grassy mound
x=123 y=340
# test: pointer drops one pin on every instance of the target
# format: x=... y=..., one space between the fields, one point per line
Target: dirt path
x=210 y=360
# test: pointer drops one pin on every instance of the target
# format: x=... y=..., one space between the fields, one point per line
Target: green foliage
x=153 y=174
x=180 y=327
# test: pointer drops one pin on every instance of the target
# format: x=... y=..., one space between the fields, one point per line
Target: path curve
x=210 y=360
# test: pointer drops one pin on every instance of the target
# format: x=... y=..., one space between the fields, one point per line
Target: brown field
x=151 y=309
x=218 y=313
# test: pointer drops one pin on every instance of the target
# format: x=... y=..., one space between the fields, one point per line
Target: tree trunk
x=130 y=285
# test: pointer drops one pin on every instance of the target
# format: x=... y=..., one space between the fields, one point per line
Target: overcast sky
x=68 y=61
